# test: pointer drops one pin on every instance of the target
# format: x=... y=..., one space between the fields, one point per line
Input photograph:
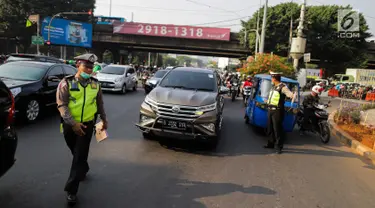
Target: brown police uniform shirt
x=62 y=100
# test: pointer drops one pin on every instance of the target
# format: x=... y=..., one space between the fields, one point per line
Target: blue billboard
x=67 y=32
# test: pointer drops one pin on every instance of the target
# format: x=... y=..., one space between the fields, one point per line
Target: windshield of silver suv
x=190 y=80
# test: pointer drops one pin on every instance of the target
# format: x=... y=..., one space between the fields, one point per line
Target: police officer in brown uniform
x=79 y=101
x=276 y=110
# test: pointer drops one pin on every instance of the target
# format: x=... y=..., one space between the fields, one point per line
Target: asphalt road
x=127 y=171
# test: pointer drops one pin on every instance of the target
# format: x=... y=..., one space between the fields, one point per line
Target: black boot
x=71 y=199
x=269 y=146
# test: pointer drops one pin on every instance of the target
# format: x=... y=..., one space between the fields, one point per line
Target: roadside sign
x=34 y=18
x=37 y=40
x=307 y=57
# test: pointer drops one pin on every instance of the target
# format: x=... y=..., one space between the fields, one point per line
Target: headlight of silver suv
x=207 y=108
x=151 y=103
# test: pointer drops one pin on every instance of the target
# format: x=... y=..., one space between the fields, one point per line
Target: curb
x=349 y=141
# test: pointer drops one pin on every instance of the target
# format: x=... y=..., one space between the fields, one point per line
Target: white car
x=117 y=78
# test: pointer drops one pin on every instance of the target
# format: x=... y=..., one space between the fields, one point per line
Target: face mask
x=84 y=75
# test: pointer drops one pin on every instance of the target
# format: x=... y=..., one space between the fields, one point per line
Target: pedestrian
x=79 y=101
x=276 y=110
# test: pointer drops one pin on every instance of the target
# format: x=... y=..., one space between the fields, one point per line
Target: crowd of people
x=353 y=90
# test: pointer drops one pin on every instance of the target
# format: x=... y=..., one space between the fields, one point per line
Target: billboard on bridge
x=67 y=32
x=174 y=31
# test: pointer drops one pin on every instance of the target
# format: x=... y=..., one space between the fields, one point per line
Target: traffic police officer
x=276 y=111
x=79 y=101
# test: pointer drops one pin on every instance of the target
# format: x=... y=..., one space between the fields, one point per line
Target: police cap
x=89 y=57
x=275 y=74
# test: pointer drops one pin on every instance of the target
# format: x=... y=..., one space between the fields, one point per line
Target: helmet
x=317 y=89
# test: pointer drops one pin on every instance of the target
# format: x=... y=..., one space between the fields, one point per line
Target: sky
x=211 y=13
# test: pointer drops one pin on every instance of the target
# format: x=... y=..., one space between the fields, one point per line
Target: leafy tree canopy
x=323 y=42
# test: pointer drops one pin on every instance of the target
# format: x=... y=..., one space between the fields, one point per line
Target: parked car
x=118 y=78
x=32 y=57
x=188 y=103
x=154 y=80
x=8 y=135
x=33 y=85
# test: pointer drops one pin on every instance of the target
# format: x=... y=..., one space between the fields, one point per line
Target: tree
x=212 y=64
x=266 y=63
x=323 y=43
x=170 y=61
x=184 y=60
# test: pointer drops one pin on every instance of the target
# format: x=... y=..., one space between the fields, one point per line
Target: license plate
x=180 y=125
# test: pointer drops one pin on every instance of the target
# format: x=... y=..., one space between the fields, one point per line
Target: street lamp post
x=263 y=35
x=298 y=46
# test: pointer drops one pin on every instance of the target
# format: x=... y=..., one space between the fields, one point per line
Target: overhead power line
x=229 y=20
x=155 y=8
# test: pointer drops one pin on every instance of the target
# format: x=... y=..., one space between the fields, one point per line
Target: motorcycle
x=321 y=127
x=145 y=77
x=246 y=95
x=235 y=90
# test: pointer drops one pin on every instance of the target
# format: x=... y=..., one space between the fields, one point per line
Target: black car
x=8 y=136
x=153 y=81
x=32 y=57
x=33 y=84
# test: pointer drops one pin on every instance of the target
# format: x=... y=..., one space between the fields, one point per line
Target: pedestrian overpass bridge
x=104 y=38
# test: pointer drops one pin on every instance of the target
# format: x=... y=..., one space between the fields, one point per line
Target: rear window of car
x=23 y=71
x=18 y=58
x=160 y=74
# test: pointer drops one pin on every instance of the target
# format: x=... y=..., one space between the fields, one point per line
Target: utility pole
x=110 y=8
x=257 y=35
x=299 y=43
x=37 y=34
x=263 y=36
x=149 y=59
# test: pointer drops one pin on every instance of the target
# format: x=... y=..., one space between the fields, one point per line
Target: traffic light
x=48 y=42
x=89 y=12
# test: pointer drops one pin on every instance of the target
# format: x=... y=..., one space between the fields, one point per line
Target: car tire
x=148 y=136
x=123 y=89
x=32 y=110
x=135 y=86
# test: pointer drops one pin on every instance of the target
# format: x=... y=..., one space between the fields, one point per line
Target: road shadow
x=121 y=184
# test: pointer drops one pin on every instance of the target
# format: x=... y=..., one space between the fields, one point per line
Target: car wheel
x=123 y=89
x=135 y=86
x=32 y=111
x=148 y=136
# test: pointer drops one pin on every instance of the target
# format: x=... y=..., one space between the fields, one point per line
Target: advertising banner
x=174 y=31
x=67 y=32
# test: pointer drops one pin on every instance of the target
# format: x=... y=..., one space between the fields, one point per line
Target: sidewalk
x=369 y=117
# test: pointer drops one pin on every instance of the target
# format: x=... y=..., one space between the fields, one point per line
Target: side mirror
x=53 y=79
x=223 y=90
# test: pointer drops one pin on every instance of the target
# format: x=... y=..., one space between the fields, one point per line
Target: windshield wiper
x=203 y=89
x=179 y=87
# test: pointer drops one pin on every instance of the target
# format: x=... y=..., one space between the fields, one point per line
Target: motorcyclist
x=248 y=82
x=235 y=79
x=308 y=107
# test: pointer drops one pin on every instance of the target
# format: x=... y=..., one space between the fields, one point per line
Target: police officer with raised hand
x=276 y=112
x=79 y=101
